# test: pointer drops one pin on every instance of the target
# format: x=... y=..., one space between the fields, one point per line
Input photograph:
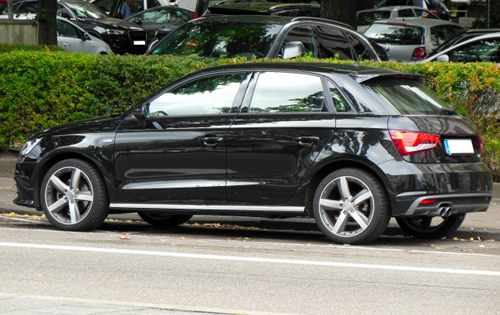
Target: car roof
x=391 y=8
x=359 y=73
x=264 y=6
x=413 y=21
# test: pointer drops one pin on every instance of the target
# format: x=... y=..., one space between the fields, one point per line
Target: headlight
x=115 y=32
x=29 y=145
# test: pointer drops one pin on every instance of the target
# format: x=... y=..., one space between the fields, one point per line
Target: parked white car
x=411 y=39
x=366 y=17
x=72 y=38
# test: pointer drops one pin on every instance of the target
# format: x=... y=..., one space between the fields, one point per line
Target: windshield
x=409 y=97
x=85 y=10
x=220 y=38
x=396 y=33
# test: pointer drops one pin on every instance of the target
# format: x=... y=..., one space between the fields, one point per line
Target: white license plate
x=139 y=42
x=458 y=146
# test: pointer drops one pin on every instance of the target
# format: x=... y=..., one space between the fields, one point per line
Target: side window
x=279 y=92
x=483 y=50
x=303 y=34
x=62 y=11
x=332 y=42
x=340 y=103
x=66 y=29
x=210 y=95
x=360 y=48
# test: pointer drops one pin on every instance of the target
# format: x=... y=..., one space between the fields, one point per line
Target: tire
x=73 y=196
x=164 y=220
x=350 y=207
x=425 y=228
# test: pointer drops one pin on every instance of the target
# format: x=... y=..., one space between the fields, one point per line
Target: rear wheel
x=350 y=207
x=431 y=227
x=164 y=220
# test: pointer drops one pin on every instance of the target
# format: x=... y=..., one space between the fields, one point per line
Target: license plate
x=139 y=42
x=458 y=146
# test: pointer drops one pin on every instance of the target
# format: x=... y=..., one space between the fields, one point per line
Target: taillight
x=480 y=143
x=196 y=15
x=411 y=142
x=419 y=52
x=435 y=12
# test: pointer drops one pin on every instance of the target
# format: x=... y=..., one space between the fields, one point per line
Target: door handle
x=211 y=141
x=306 y=140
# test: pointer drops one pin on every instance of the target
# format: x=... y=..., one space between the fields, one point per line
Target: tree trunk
x=340 y=10
x=46 y=17
x=364 y=4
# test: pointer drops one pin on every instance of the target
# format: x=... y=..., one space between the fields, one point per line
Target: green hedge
x=43 y=88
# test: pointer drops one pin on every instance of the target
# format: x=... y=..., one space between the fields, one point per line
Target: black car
x=266 y=37
x=121 y=36
x=350 y=146
x=461 y=37
x=266 y=8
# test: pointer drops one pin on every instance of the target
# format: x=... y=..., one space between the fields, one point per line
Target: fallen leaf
x=125 y=236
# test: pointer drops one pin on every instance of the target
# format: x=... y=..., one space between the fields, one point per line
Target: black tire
x=428 y=228
x=73 y=196
x=164 y=220
x=350 y=207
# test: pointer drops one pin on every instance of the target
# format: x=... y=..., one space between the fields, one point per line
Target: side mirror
x=293 y=50
x=443 y=58
x=86 y=36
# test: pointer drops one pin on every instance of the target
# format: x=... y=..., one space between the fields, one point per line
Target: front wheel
x=164 y=220
x=350 y=207
x=431 y=227
x=73 y=196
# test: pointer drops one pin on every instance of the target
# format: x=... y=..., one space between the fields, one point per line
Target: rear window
x=396 y=34
x=408 y=96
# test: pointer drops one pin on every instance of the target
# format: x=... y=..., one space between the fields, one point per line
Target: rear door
x=285 y=122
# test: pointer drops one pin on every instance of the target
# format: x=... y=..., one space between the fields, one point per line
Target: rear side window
x=396 y=33
x=441 y=33
x=278 y=92
x=367 y=18
x=410 y=97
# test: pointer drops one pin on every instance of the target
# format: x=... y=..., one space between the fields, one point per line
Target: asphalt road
x=221 y=269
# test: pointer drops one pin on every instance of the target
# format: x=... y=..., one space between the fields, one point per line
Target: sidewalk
x=485 y=225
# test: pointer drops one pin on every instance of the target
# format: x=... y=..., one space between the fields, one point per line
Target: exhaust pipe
x=445 y=212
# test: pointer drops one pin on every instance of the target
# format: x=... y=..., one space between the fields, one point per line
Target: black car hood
x=114 y=23
x=98 y=124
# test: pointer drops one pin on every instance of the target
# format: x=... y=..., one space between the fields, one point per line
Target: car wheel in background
x=73 y=196
x=164 y=220
x=431 y=227
x=350 y=207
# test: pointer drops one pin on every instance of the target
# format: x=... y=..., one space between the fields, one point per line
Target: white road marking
x=250 y=259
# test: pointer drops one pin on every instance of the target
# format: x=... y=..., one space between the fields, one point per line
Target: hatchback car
x=435 y=6
x=411 y=39
x=266 y=37
x=483 y=48
x=121 y=36
x=366 y=17
x=350 y=146
x=74 y=39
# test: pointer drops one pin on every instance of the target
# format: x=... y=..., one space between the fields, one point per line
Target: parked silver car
x=411 y=39
x=74 y=39
x=366 y=17
x=483 y=48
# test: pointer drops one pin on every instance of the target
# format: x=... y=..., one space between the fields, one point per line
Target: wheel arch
x=54 y=159
x=321 y=172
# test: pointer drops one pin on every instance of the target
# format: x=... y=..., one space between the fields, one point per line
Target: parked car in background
x=435 y=6
x=160 y=21
x=483 y=48
x=74 y=39
x=121 y=36
x=411 y=39
x=112 y=7
x=266 y=37
x=351 y=146
x=461 y=37
x=266 y=8
x=366 y=17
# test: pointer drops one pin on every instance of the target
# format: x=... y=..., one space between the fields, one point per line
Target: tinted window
x=393 y=33
x=332 y=42
x=303 y=34
x=406 y=13
x=410 y=97
x=66 y=29
x=207 y=96
x=277 y=92
x=219 y=38
x=361 y=50
x=483 y=50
